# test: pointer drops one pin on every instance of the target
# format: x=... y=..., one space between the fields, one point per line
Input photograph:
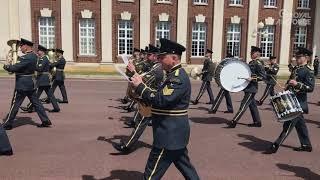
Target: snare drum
x=286 y=106
x=231 y=73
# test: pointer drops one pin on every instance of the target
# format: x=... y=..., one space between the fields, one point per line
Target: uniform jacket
x=60 y=64
x=306 y=82
x=272 y=72
x=170 y=104
x=43 y=68
x=257 y=74
x=24 y=70
x=208 y=70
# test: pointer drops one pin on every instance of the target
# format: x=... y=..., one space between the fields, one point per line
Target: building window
x=235 y=2
x=270 y=3
x=163 y=1
x=300 y=37
x=87 y=37
x=162 y=31
x=267 y=41
x=47 y=32
x=233 y=39
x=125 y=37
x=198 y=40
x=303 y=4
x=200 y=2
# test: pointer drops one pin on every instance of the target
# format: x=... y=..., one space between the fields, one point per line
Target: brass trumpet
x=12 y=56
x=52 y=56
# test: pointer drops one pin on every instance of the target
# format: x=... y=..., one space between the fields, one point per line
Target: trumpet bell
x=12 y=42
x=194 y=73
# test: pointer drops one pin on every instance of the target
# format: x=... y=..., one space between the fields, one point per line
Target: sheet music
x=122 y=73
x=125 y=59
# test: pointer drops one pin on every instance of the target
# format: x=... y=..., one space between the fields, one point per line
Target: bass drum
x=231 y=74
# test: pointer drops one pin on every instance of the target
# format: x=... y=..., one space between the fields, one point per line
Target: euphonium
x=12 y=57
x=52 y=56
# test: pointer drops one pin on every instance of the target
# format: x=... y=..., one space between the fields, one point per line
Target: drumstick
x=278 y=83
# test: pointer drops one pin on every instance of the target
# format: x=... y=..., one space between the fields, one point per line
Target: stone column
x=14 y=28
x=145 y=15
x=106 y=31
x=182 y=26
x=218 y=13
x=252 y=25
x=25 y=19
x=67 y=29
x=316 y=31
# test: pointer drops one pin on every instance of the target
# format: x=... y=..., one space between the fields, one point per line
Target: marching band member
x=250 y=91
x=43 y=80
x=142 y=123
x=24 y=70
x=301 y=82
x=5 y=146
x=171 y=129
x=207 y=75
x=271 y=80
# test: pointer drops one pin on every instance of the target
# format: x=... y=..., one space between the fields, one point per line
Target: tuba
x=195 y=73
x=52 y=56
x=12 y=56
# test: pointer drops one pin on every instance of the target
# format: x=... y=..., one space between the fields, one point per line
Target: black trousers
x=206 y=85
x=160 y=160
x=301 y=128
x=316 y=71
x=50 y=95
x=222 y=93
x=248 y=101
x=62 y=88
x=137 y=132
x=268 y=91
x=4 y=140
x=18 y=98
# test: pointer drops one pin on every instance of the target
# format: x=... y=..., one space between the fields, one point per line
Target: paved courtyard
x=78 y=144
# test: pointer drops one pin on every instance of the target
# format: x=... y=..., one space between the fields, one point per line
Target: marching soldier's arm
x=205 y=66
x=274 y=70
x=42 y=65
x=307 y=85
x=163 y=97
x=20 y=65
x=261 y=73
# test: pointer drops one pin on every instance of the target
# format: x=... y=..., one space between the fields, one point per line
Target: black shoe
x=228 y=112
x=25 y=109
x=124 y=101
x=7 y=127
x=255 y=125
x=259 y=103
x=62 y=101
x=303 y=148
x=120 y=147
x=194 y=102
x=45 y=100
x=6 y=153
x=232 y=124
x=210 y=111
x=209 y=103
x=45 y=124
x=54 y=110
x=130 y=124
x=272 y=149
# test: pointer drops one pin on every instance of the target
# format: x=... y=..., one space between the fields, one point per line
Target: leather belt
x=25 y=75
x=40 y=73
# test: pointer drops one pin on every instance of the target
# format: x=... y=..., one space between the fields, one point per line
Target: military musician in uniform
x=258 y=74
x=60 y=76
x=316 y=66
x=207 y=75
x=5 y=146
x=301 y=82
x=171 y=129
x=43 y=80
x=155 y=73
x=271 y=73
x=24 y=71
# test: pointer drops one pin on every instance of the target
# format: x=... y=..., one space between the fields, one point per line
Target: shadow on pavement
x=301 y=172
x=255 y=144
x=138 y=145
x=313 y=122
x=210 y=120
x=200 y=108
x=118 y=174
x=22 y=121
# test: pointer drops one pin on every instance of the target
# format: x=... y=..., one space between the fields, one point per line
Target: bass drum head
x=233 y=74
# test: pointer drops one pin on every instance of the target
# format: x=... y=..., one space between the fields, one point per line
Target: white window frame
x=234 y=32
x=164 y=1
x=303 y=4
x=127 y=49
x=89 y=50
x=235 y=3
x=47 y=28
x=270 y=3
x=165 y=29
x=196 y=29
x=200 y=2
x=267 y=39
x=300 y=37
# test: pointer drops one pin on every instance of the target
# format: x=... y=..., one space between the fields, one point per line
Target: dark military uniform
x=316 y=66
x=271 y=81
x=222 y=93
x=258 y=74
x=24 y=70
x=5 y=146
x=59 y=78
x=43 y=82
x=207 y=75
